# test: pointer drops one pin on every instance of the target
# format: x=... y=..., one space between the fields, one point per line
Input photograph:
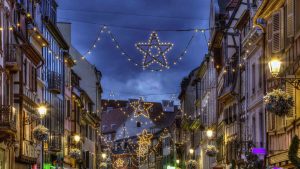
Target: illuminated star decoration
x=141 y=108
x=119 y=163
x=144 y=140
x=154 y=51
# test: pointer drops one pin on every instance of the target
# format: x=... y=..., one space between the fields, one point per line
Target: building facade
x=36 y=69
x=280 y=22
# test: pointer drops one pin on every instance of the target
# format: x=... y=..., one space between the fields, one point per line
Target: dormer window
x=138 y=124
x=113 y=126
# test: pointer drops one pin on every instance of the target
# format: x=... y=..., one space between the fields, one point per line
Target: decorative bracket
x=295 y=82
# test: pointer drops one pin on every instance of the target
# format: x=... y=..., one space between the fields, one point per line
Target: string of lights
x=98 y=38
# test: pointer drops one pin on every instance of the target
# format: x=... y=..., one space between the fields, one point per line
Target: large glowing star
x=154 y=51
x=141 y=108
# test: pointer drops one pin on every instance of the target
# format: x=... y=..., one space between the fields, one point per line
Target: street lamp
x=76 y=138
x=42 y=110
x=103 y=155
x=274 y=66
x=177 y=161
x=191 y=151
x=209 y=133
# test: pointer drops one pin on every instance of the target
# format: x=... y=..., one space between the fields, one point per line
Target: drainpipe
x=265 y=92
x=239 y=97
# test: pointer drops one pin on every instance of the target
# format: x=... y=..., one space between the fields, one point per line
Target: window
x=25 y=71
x=68 y=106
x=261 y=127
x=290 y=5
x=254 y=129
x=277 y=31
x=138 y=124
x=260 y=71
x=253 y=78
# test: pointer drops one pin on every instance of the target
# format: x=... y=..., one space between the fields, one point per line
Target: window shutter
x=291 y=115
x=269 y=37
x=279 y=122
x=290 y=6
x=282 y=28
x=276 y=24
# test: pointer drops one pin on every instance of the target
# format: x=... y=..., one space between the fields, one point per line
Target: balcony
x=7 y=123
x=11 y=58
x=54 y=82
x=232 y=129
x=55 y=142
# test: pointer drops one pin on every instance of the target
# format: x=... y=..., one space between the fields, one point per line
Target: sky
x=132 y=21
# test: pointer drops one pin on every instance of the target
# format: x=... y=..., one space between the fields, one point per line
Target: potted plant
x=40 y=133
x=103 y=165
x=278 y=102
x=75 y=153
x=211 y=150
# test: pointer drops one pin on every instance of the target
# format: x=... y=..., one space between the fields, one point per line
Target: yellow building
x=280 y=21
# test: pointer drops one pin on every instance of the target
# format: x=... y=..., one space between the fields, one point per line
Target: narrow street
x=160 y=84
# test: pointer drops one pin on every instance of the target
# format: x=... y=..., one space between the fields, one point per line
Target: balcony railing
x=54 y=82
x=55 y=142
x=7 y=118
x=11 y=58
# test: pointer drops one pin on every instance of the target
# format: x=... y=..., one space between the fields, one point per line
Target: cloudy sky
x=132 y=21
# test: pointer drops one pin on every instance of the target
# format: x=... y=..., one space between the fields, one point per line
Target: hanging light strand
x=94 y=44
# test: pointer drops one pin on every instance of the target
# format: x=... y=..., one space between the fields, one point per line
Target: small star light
x=119 y=163
x=154 y=51
x=145 y=138
x=142 y=151
x=141 y=108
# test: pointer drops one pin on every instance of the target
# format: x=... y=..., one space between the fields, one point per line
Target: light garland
x=154 y=49
x=94 y=44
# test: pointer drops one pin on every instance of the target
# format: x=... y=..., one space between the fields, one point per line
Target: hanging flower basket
x=192 y=163
x=278 y=102
x=103 y=165
x=211 y=151
x=75 y=153
x=40 y=133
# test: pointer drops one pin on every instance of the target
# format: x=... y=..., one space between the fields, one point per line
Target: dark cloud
x=119 y=75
